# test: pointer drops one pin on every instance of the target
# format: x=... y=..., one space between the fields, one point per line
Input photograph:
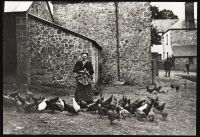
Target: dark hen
x=158 y=88
x=113 y=114
x=127 y=106
x=122 y=102
x=54 y=104
x=136 y=104
x=172 y=85
x=106 y=103
x=94 y=106
x=102 y=111
x=159 y=106
x=83 y=104
x=150 y=90
x=177 y=87
x=70 y=109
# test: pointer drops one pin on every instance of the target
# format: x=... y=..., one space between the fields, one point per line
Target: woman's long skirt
x=84 y=93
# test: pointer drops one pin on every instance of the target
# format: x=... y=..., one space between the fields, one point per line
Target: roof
x=184 y=50
x=181 y=24
x=17 y=6
x=163 y=24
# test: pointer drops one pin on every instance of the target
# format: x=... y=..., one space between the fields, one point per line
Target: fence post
x=153 y=66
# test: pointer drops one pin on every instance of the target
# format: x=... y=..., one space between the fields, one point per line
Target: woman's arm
x=77 y=67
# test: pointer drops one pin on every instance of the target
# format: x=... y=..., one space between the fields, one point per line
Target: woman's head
x=84 y=56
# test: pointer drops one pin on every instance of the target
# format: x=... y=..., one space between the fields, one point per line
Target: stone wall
x=183 y=37
x=180 y=64
x=134 y=37
x=23 y=56
x=40 y=9
x=53 y=53
x=97 y=20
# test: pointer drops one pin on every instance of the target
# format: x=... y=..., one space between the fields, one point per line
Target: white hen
x=142 y=107
x=75 y=105
x=42 y=105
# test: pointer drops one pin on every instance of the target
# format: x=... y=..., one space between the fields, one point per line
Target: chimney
x=189 y=14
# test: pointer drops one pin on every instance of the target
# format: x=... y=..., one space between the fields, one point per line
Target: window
x=191 y=60
x=167 y=39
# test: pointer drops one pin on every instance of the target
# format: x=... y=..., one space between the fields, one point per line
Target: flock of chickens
x=143 y=109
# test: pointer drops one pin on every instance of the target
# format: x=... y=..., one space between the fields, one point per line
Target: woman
x=83 y=70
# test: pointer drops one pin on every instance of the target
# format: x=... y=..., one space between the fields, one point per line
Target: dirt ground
x=181 y=107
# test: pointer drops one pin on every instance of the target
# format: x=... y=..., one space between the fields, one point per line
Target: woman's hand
x=81 y=71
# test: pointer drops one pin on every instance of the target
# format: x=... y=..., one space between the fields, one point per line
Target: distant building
x=183 y=53
x=162 y=26
x=182 y=36
x=183 y=32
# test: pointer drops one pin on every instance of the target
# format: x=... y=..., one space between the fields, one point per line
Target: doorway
x=9 y=48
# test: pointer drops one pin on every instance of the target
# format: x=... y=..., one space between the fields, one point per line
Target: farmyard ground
x=180 y=105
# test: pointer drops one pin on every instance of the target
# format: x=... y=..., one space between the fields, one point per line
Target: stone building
x=180 y=36
x=183 y=53
x=121 y=28
x=40 y=52
x=47 y=45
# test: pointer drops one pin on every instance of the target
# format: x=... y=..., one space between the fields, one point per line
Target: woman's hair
x=84 y=53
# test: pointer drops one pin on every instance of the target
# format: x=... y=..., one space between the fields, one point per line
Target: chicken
x=112 y=115
x=70 y=109
x=185 y=84
x=94 y=106
x=164 y=115
x=102 y=111
x=151 y=115
x=14 y=94
x=113 y=103
x=158 y=88
x=42 y=105
x=55 y=104
x=136 y=104
x=122 y=102
x=147 y=109
x=19 y=104
x=106 y=103
x=150 y=90
x=151 y=99
x=159 y=106
x=75 y=105
x=140 y=115
x=97 y=90
x=60 y=103
x=22 y=100
x=177 y=87
x=83 y=104
x=127 y=106
x=123 y=112
x=142 y=107
x=172 y=85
